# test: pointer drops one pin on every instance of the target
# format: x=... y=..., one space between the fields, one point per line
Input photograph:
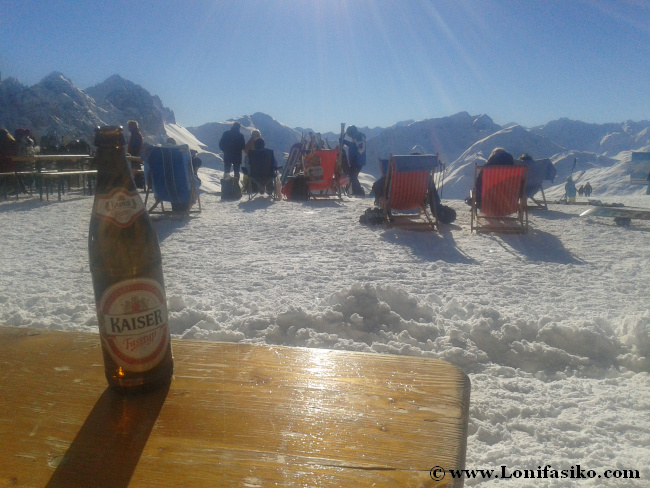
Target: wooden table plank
x=234 y=415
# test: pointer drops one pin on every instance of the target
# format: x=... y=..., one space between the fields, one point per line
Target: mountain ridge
x=55 y=106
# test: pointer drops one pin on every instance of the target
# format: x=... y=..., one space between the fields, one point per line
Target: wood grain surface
x=235 y=415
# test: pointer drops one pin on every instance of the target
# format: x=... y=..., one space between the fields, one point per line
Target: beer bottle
x=126 y=268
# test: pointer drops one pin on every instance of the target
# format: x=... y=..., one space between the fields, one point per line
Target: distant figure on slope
x=135 y=149
x=232 y=143
x=581 y=190
x=570 y=189
x=588 y=190
x=356 y=157
x=498 y=157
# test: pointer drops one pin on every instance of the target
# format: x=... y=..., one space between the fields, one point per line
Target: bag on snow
x=372 y=216
x=230 y=189
x=446 y=215
x=296 y=188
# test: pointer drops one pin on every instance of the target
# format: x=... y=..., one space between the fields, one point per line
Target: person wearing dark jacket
x=356 y=157
x=261 y=155
x=232 y=143
x=135 y=149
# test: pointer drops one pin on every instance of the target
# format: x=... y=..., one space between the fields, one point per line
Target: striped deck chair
x=499 y=199
x=320 y=170
x=406 y=191
x=169 y=173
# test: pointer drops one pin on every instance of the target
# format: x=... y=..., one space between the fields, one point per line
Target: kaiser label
x=133 y=321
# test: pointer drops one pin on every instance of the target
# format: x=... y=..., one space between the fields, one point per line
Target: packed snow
x=552 y=327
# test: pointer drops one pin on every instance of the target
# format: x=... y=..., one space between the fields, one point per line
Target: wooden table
x=235 y=415
x=41 y=174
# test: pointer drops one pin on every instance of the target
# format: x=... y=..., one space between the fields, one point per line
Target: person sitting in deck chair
x=257 y=156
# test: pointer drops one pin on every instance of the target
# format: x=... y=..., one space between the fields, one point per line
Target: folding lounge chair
x=383 y=166
x=502 y=206
x=321 y=172
x=538 y=171
x=261 y=172
x=170 y=175
x=406 y=191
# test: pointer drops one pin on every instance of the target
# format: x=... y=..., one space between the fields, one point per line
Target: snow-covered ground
x=552 y=327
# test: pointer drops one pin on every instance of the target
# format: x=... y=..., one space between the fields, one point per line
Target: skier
x=588 y=190
x=356 y=158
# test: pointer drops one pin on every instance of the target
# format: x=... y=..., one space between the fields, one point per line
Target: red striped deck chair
x=320 y=169
x=406 y=191
x=500 y=204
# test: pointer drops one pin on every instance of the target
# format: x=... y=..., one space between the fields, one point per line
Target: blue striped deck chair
x=538 y=171
x=169 y=174
x=406 y=191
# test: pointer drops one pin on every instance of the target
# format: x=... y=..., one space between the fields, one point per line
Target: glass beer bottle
x=126 y=268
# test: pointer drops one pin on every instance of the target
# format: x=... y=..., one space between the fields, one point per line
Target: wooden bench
x=234 y=415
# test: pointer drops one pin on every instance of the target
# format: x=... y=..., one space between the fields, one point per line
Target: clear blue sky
x=317 y=63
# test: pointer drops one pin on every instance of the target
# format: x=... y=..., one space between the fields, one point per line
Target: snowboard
x=622 y=216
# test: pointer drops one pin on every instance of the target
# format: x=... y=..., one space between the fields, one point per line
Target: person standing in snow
x=135 y=149
x=570 y=189
x=588 y=190
x=356 y=157
x=232 y=144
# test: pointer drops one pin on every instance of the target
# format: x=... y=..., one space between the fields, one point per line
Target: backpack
x=372 y=216
x=297 y=188
x=446 y=215
x=230 y=189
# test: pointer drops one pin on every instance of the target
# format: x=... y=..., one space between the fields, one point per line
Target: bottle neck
x=113 y=169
